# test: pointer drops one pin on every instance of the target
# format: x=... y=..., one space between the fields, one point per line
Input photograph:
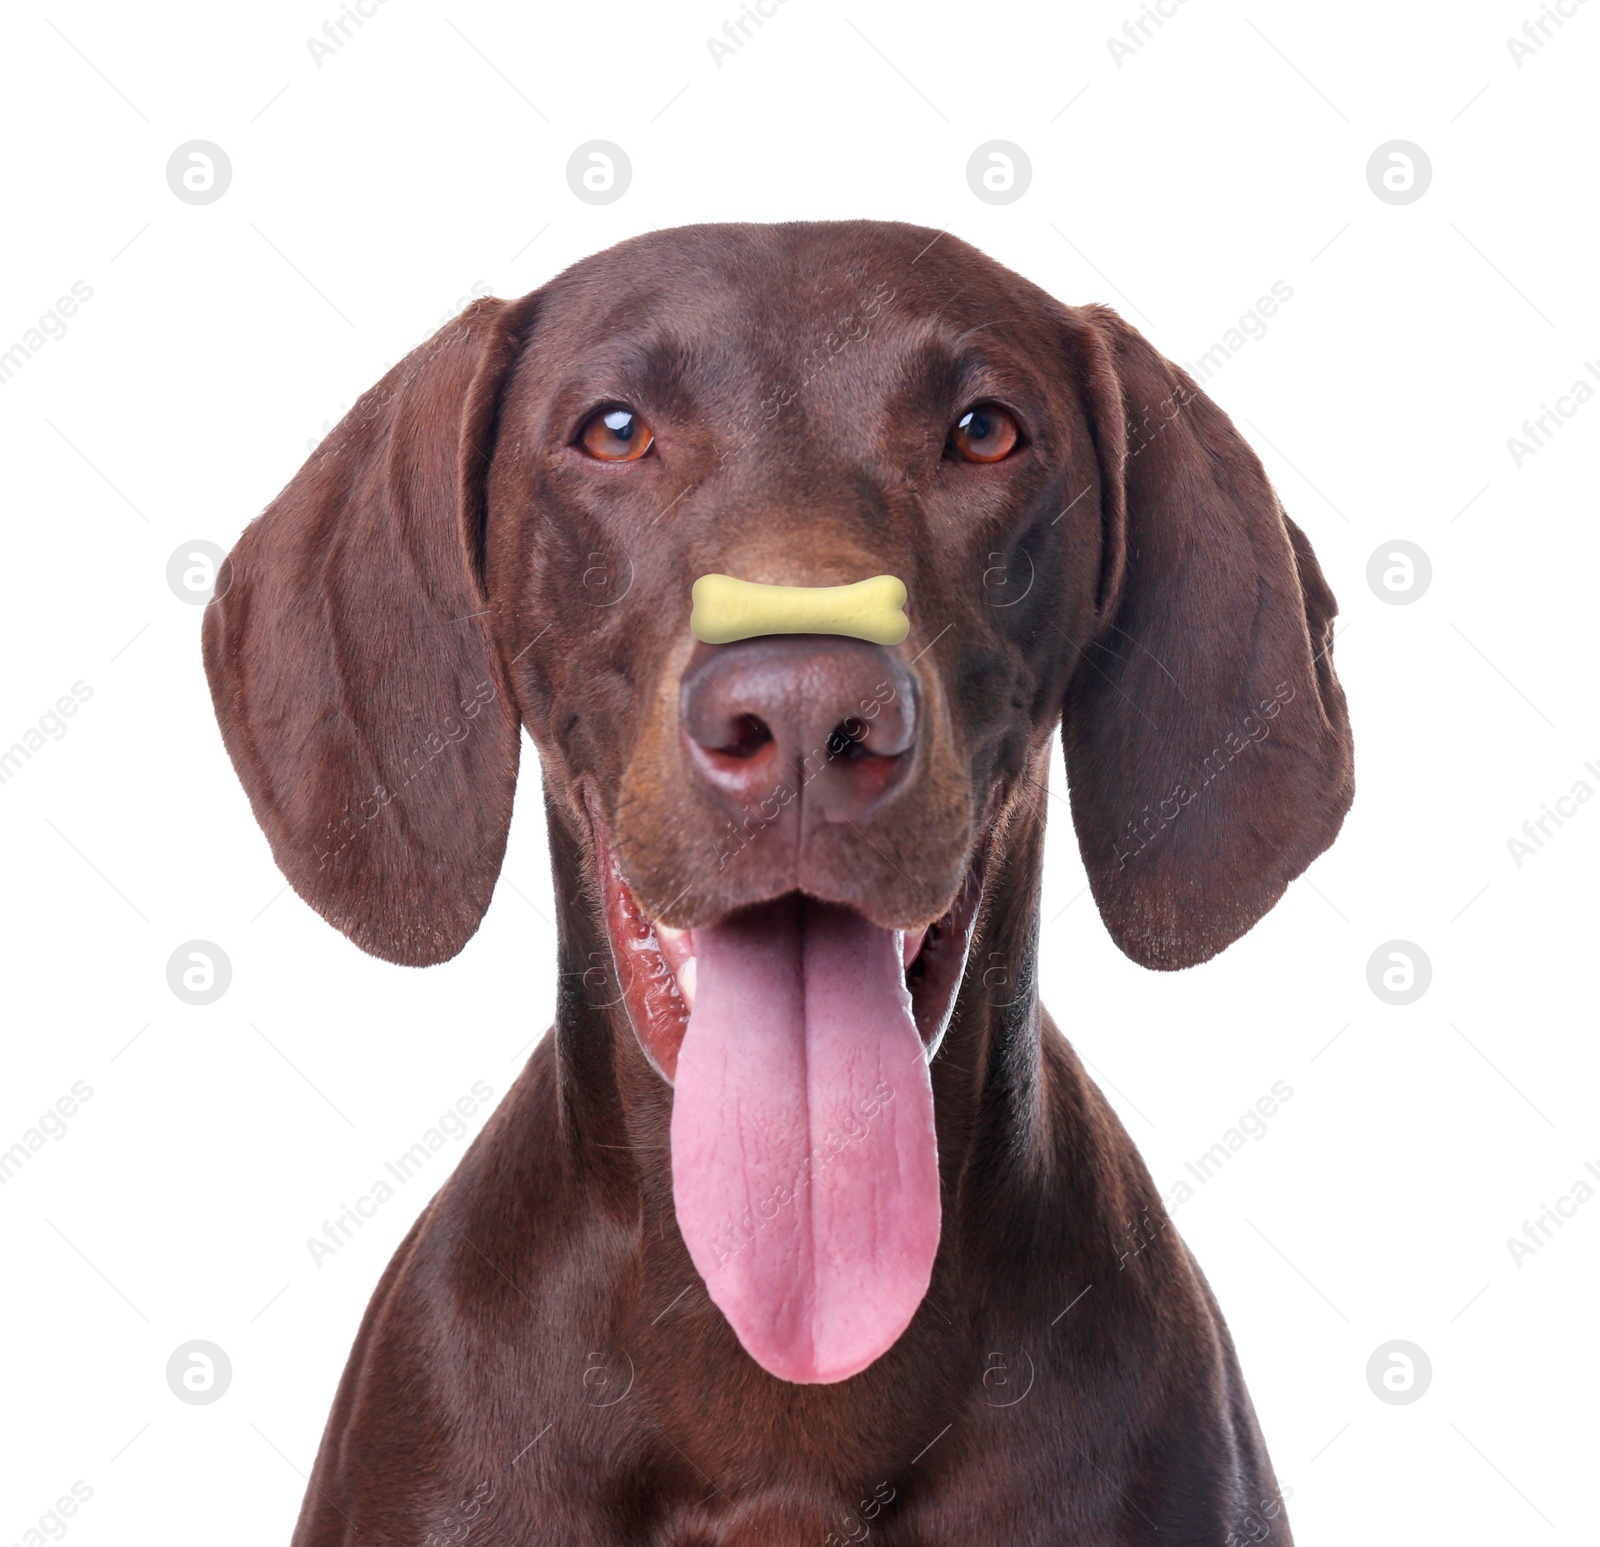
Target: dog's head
x=790 y=833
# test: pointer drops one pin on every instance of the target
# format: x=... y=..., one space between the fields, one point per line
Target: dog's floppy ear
x=1207 y=742
x=361 y=699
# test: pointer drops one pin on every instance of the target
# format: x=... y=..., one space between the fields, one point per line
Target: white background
x=426 y=159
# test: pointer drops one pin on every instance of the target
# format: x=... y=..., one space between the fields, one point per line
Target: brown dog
x=737 y=1276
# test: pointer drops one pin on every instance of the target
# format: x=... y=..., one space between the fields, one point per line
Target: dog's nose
x=834 y=720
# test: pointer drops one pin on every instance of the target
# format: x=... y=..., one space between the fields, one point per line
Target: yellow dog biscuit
x=726 y=609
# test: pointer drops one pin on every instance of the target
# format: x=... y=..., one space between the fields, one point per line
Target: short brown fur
x=447 y=569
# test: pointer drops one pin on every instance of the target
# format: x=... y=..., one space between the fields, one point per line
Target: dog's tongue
x=804 y=1166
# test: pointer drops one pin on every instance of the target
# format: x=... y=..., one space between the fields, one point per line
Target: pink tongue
x=804 y=1166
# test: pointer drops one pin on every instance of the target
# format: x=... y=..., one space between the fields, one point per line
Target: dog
x=731 y=1261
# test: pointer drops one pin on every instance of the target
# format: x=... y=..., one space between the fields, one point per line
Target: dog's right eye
x=616 y=435
x=985 y=433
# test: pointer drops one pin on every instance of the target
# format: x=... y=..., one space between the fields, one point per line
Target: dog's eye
x=984 y=434
x=616 y=435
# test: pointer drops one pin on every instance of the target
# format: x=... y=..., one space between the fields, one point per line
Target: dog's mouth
x=796 y=1035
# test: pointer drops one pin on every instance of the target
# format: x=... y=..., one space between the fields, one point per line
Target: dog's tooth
x=675 y=945
x=686 y=981
x=910 y=943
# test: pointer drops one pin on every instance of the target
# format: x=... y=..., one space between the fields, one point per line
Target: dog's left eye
x=616 y=435
x=985 y=433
